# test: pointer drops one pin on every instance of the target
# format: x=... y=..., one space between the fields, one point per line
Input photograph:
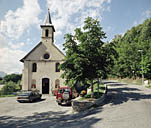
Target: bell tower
x=48 y=30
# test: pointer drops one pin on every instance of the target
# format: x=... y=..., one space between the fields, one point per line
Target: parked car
x=28 y=96
x=64 y=95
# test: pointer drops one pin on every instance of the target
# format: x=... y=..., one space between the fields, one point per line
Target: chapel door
x=45 y=86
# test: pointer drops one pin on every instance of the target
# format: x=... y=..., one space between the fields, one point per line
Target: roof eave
x=22 y=60
x=48 y=25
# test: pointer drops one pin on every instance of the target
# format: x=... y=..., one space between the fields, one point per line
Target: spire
x=48 y=19
x=48 y=23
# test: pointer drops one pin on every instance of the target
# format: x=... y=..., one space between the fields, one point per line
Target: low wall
x=79 y=106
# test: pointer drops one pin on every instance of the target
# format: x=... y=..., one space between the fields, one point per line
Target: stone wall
x=79 y=106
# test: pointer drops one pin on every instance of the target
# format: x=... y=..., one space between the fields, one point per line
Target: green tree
x=129 y=61
x=87 y=58
x=9 y=88
x=12 y=77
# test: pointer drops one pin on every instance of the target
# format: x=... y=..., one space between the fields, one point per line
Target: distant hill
x=2 y=74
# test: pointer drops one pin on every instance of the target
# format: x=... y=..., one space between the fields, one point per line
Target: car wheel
x=68 y=103
x=39 y=98
x=59 y=103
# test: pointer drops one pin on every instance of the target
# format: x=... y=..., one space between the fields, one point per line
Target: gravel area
x=10 y=107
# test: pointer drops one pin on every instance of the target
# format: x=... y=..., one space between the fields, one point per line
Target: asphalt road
x=126 y=106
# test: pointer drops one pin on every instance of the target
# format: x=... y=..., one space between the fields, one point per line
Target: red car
x=64 y=95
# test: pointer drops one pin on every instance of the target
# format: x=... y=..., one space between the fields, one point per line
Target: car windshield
x=67 y=90
x=61 y=90
x=25 y=94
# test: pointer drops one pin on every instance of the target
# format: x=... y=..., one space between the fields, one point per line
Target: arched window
x=46 y=32
x=57 y=67
x=34 y=67
x=57 y=83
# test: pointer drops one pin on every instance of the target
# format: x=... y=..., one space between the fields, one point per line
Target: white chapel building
x=41 y=70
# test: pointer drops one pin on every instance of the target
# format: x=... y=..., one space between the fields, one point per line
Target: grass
x=148 y=86
x=96 y=93
x=136 y=81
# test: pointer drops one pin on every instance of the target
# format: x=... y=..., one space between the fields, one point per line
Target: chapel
x=41 y=64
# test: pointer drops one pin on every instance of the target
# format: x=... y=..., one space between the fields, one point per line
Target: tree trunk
x=92 y=92
x=98 y=86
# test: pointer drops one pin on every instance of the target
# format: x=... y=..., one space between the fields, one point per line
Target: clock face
x=46 y=56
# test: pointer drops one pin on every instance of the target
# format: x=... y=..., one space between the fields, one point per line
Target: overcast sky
x=20 y=22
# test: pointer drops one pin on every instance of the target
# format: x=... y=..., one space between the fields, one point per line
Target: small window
x=46 y=32
x=46 y=56
x=34 y=67
x=57 y=67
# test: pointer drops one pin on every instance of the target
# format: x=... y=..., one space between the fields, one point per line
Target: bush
x=9 y=88
x=2 y=81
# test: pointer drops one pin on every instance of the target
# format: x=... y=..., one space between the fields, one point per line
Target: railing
x=5 y=94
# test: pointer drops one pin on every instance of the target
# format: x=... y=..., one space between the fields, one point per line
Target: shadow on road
x=51 y=120
x=35 y=101
x=122 y=94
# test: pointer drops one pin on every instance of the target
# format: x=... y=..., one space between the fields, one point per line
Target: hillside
x=130 y=59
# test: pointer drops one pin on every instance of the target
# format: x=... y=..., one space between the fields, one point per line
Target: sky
x=20 y=22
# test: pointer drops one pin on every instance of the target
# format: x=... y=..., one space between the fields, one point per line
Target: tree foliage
x=9 y=88
x=87 y=57
x=11 y=84
x=12 y=77
x=130 y=62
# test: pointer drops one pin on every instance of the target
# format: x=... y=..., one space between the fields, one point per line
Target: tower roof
x=48 y=22
x=48 y=19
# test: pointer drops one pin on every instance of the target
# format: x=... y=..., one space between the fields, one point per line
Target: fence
x=2 y=93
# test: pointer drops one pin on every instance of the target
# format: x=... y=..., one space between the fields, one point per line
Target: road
x=126 y=106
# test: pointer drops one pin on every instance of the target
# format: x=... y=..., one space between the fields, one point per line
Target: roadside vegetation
x=134 y=52
x=11 y=85
x=98 y=91
x=134 y=56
